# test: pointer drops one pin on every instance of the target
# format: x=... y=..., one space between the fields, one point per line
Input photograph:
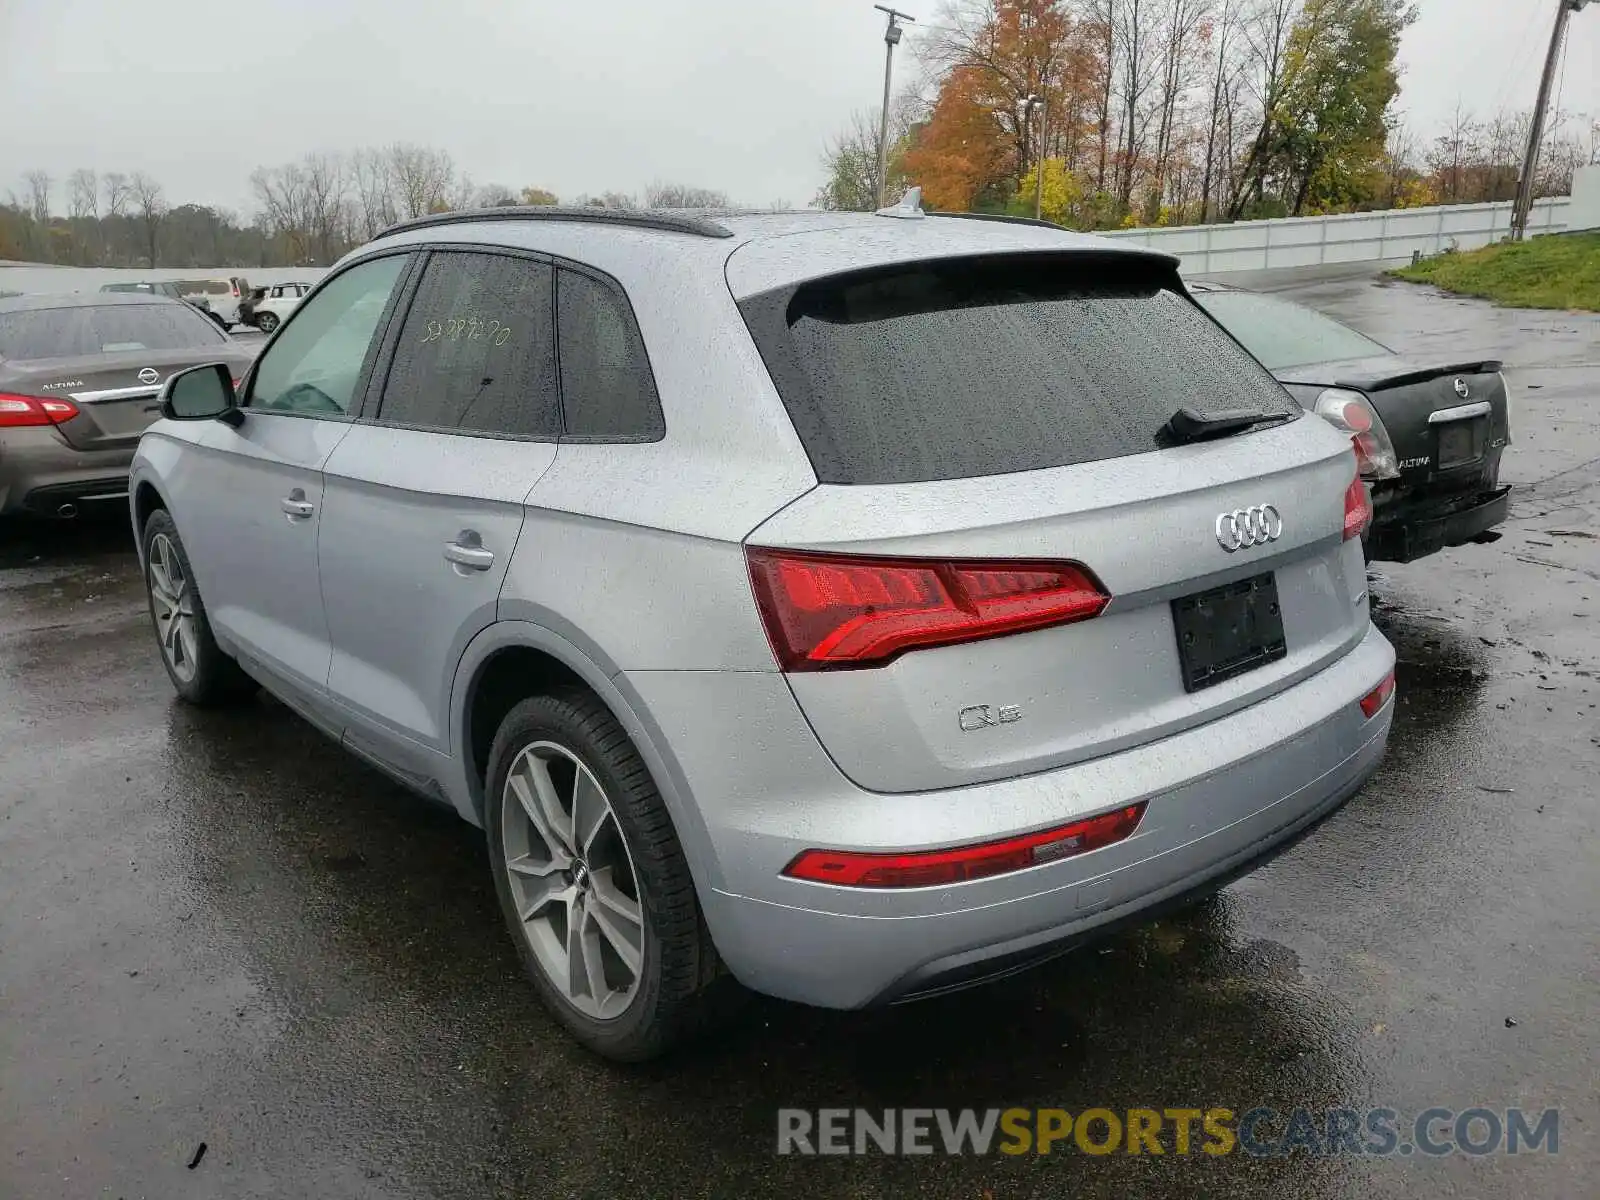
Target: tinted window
x=67 y=332
x=607 y=389
x=1283 y=334
x=476 y=351
x=956 y=369
x=313 y=365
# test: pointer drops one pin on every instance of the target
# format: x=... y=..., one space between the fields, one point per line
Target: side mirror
x=201 y=394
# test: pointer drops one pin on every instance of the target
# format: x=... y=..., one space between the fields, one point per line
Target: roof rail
x=1009 y=220
x=592 y=214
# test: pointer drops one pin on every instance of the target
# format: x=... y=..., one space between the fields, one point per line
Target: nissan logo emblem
x=1245 y=527
x=1462 y=389
x=149 y=375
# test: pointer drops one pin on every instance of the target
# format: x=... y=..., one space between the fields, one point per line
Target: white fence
x=1351 y=238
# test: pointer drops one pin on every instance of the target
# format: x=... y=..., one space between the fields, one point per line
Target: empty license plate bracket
x=1224 y=632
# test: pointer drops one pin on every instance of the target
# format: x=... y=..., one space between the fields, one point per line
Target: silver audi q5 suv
x=847 y=606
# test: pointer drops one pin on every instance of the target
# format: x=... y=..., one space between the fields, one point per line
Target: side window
x=314 y=364
x=476 y=353
x=607 y=390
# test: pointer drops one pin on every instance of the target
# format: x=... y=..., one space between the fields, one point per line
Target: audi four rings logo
x=1245 y=527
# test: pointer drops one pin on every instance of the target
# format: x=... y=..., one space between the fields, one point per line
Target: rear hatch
x=988 y=438
x=108 y=361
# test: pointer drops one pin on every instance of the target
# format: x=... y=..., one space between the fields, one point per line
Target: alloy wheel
x=172 y=601
x=572 y=880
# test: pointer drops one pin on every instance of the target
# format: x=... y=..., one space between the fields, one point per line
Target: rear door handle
x=295 y=505
x=469 y=552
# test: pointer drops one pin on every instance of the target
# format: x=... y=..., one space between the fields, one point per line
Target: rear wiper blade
x=1186 y=425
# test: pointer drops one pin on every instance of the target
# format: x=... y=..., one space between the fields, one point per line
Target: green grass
x=1560 y=271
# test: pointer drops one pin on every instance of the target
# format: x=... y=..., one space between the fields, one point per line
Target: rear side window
x=967 y=367
x=607 y=389
x=477 y=353
x=104 y=329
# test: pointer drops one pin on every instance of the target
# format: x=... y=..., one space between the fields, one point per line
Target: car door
x=424 y=501
x=256 y=496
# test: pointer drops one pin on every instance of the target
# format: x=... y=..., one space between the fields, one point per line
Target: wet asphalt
x=219 y=929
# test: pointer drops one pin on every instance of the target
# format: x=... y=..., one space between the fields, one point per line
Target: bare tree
x=1457 y=155
x=151 y=203
x=1135 y=36
x=1181 y=25
x=83 y=192
x=373 y=184
x=39 y=187
x=678 y=195
x=851 y=161
x=1266 y=37
x=422 y=178
x=324 y=193
x=118 y=193
x=1224 y=95
x=494 y=195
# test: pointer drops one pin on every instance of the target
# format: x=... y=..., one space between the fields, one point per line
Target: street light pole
x=1530 y=160
x=1035 y=103
x=1038 y=175
x=891 y=39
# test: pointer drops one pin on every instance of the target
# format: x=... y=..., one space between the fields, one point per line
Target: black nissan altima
x=1428 y=435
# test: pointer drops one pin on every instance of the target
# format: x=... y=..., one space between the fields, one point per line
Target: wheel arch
x=511 y=660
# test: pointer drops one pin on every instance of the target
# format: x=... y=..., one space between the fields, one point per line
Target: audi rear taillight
x=1357 y=509
x=933 y=868
x=833 y=611
x=19 y=411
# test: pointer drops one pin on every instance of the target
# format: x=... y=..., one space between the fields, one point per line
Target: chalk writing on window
x=468 y=329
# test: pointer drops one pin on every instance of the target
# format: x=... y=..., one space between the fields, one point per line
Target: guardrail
x=1349 y=238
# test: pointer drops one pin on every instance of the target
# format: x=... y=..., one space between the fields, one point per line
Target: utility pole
x=891 y=39
x=1530 y=161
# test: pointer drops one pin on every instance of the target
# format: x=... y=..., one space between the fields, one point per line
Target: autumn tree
x=537 y=195
x=994 y=55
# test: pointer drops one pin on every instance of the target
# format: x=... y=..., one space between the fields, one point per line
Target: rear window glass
x=972 y=367
x=103 y=329
x=1284 y=334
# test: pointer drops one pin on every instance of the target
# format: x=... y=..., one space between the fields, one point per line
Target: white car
x=281 y=300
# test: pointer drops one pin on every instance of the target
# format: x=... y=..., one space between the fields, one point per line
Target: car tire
x=267 y=322
x=201 y=673
x=679 y=987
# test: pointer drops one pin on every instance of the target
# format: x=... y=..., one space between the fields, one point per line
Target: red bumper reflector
x=931 y=868
x=1378 y=696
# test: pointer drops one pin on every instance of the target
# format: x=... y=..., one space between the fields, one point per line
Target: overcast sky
x=740 y=95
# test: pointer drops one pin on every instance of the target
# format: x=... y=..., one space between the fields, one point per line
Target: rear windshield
x=1283 y=334
x=103 y=329
x=962 y=368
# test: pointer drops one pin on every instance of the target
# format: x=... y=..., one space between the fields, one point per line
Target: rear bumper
x=1221 y=798
x=39 y=473
x=1409 y=531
